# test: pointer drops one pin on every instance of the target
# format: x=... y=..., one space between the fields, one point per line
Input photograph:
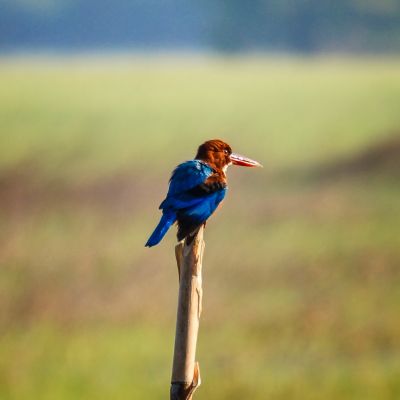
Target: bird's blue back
x=188 y=175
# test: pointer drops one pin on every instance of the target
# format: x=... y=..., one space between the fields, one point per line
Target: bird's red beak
x=237 y=159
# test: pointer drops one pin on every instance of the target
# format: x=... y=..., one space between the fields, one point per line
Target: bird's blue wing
x=185 y=177
x=180 y=201
x=187 y=197
x=191 y=217
x=188 y=175
x=201 y=210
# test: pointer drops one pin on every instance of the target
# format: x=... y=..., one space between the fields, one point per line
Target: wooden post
x=185 y=370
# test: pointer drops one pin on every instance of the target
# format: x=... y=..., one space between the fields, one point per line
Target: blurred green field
x=301 y=270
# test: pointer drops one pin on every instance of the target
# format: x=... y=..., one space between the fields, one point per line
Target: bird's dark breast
x=207 y=188
x=186 y=227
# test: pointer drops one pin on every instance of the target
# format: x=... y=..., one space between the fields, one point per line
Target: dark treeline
x=230 y=25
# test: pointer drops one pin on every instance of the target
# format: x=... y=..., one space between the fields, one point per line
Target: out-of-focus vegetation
x=302 y=293
x=234 y=25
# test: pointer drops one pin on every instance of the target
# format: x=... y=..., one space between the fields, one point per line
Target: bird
x=196 y=188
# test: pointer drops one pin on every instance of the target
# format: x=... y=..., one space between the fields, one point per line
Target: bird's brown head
x=218 y=155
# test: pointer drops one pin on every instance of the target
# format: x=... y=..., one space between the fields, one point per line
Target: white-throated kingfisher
x=196 y=188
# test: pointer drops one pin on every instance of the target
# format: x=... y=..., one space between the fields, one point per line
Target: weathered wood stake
x=185 y=370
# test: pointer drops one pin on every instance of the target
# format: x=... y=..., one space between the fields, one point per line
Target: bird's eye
x=226 y=151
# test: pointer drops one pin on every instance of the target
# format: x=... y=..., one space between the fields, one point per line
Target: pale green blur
x=301 y=290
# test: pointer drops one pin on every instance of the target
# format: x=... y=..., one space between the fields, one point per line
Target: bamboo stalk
x=185 y=370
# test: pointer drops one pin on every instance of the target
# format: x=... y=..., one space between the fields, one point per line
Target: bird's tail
x=166 y=221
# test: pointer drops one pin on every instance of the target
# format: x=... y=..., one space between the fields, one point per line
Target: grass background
x=301 y=274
